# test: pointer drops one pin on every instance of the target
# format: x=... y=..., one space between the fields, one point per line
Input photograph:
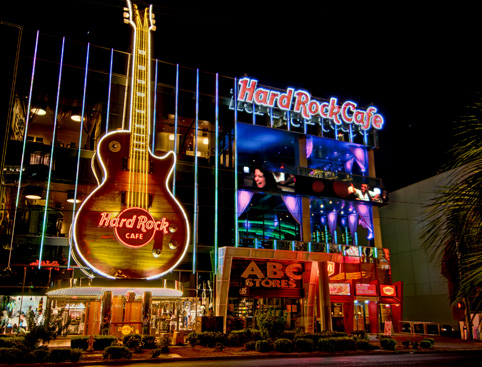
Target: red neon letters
x=303 y=104
x=134 y=227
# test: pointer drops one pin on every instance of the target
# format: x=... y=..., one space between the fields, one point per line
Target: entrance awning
x=389 y=300
x=86 y=287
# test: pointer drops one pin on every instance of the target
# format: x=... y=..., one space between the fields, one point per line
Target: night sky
x=417 y=65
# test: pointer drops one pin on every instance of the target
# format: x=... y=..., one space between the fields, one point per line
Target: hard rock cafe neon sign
x=134 y=227
x=131 y=226
x=309 y=109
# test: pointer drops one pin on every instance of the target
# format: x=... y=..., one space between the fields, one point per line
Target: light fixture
x=33 y=192
x=75 y=115
x=71 y=197
x=39 y=108
x=171 y=137
x=205 y=141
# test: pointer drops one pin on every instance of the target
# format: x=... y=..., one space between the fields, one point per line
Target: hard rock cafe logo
x=133 y=227
x=300 y=101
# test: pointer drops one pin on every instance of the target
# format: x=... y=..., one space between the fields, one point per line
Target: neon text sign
x=301 y=102
x=277 y=275
x=133 y=227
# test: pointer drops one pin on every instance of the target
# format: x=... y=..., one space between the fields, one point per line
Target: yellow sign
x=126 y=329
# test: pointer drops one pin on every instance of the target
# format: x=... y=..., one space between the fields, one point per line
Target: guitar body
x=120 y=241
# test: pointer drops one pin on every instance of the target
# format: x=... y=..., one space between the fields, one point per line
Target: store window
x=268 y=217
x=361 y=320
x=337 y=317
x=242 y=312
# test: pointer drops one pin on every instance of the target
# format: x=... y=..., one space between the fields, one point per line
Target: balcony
x=345 y=250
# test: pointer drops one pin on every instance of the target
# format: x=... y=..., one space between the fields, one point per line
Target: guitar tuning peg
x=126 y=8
x=126 y=15
x=153 y=21
x=154 y=28
x=126 y=21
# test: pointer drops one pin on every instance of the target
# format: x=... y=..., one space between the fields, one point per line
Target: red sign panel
x=266 y=278
x=388 y=291
x=366 y=289
x=339 y=289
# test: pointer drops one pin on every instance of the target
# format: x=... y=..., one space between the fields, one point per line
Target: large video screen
x=264 y=180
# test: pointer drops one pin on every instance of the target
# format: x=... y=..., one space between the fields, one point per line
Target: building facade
x=142 y=196
x=429 y=284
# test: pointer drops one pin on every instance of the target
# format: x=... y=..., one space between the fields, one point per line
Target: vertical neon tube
x=236 y=226
x=216 y=174
x=27 y=120
x=52 y=144
x=194 y=235
x=175 y=128
x=110 y=89
x=154 y=113
x=79 y=146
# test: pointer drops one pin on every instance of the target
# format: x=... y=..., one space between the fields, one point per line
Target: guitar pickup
x=139 y=168
x=150 y=198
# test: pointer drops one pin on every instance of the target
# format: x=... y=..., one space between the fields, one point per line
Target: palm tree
x=452 y=233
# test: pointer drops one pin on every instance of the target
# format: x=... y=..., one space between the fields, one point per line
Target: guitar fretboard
x=138 y=166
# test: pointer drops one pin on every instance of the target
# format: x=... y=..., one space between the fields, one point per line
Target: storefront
x=20 y=313
x=97 y=306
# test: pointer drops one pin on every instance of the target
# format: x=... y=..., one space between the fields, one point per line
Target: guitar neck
x=140 y=111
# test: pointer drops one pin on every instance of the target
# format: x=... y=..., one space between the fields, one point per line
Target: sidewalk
x=189 y=353
x=443 y=342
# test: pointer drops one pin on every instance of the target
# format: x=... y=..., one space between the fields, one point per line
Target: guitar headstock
x=138 y=20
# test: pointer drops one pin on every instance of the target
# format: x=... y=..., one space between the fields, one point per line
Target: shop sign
x=276 y=275
x=388 y=291
x=339 y=289
x=309 y=109
x=330 y=268
x=49 y=265
x=362 y=289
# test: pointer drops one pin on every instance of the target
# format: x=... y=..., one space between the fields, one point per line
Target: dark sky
x=415 y=64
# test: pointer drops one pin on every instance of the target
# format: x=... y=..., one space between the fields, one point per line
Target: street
x=464 y=358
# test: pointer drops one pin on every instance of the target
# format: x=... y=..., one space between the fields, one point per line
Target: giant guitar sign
x=131 y=226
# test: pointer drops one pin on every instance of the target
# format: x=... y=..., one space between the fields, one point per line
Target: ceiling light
x=71 y=197
x=33 y=192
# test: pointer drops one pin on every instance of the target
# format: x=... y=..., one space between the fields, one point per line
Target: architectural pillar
x=106 y=312
x=146 y=313
x=325 y=305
